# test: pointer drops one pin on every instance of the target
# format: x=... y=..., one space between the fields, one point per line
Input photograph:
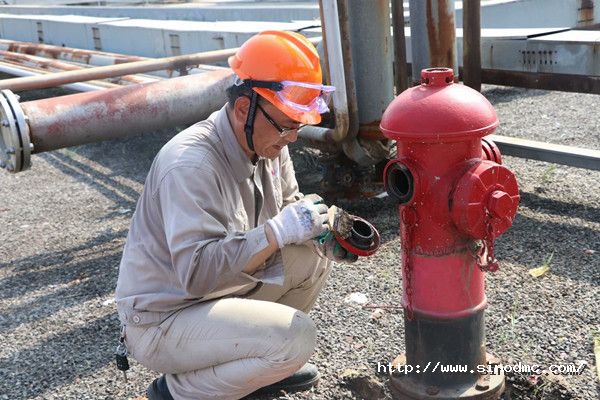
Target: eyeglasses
x=283 y=132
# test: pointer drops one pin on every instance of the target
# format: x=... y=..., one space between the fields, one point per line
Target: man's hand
x=299 y=221
x=328 y=247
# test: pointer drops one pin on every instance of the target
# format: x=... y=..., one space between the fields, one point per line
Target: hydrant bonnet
x=438 y=110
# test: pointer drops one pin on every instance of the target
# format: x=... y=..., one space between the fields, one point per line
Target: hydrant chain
x=487 y=262
x=409 y=216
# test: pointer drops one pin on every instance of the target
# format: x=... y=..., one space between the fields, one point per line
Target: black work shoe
x=303 y=379
x=158 y=390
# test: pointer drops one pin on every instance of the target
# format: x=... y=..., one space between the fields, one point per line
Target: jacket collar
x=240 y=164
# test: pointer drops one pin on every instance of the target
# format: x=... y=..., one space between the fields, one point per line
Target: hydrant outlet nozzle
x=399 y=182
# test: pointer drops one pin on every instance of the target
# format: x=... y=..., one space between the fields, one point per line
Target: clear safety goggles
x=299 y=96
x=305 y=97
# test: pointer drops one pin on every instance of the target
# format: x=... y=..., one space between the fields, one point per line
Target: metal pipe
x=109 y=71
x=472 y=44
x=373 y=66
x=373 y=59
x=337 y=25
x=349 y=74
x=366 y=152
x=89 y=57
x=333 y=56
x=433 y=36
x=59 y=66
x=401 y=68
x=72 y=120
x=20 y=70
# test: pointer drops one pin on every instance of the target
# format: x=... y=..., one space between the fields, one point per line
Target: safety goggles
x=299 y=96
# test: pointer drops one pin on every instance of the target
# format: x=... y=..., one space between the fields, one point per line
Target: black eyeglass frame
x=283 y=132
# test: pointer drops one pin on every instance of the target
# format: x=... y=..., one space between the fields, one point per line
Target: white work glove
x=299 y=221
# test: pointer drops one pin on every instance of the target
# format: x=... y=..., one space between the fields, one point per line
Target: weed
x=547 y=175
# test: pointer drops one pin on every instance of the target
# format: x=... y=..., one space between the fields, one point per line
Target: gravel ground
x=64 y=224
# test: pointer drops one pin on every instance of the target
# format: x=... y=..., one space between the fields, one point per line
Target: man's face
x=268 y=141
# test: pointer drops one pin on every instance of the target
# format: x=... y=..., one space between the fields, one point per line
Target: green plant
x=547 y=175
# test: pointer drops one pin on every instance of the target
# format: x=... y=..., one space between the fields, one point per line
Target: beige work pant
x=229 y=347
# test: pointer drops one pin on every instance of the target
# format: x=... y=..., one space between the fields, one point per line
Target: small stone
x=362 y=385
x=356 y=298
x=377 y=313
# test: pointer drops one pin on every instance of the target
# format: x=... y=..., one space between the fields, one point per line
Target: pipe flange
x=364 y=238
x=15 y=143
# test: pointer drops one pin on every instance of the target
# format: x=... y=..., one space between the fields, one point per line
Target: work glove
x=300 y=221
x=327 y=246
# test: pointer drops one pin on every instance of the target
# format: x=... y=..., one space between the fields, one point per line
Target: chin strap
x=249 y=126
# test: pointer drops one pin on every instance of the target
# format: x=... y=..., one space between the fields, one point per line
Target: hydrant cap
x=438 y=110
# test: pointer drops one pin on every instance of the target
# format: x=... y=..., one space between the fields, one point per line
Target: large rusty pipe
x=109 y=71
x=89 y=117
x=54 y=123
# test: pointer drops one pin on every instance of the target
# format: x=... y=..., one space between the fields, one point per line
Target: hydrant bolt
x=500 y=204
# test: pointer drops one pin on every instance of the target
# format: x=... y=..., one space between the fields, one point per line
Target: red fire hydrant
x=455 y=199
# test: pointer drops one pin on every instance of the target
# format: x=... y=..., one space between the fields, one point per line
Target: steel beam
x=554 y=153
x=544 y=81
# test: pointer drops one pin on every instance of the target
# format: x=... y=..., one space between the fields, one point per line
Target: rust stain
x=441 y=34
x=66 y=53
x=371 y=131
x=585 y=13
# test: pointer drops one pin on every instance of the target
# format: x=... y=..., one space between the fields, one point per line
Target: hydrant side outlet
x=454 y=199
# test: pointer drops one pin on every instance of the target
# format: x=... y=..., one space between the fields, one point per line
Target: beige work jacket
x=198 y=222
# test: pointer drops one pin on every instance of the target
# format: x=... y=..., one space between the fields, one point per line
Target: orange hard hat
x=281 y=56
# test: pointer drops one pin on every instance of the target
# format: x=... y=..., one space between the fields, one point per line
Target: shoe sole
x=298 y=387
